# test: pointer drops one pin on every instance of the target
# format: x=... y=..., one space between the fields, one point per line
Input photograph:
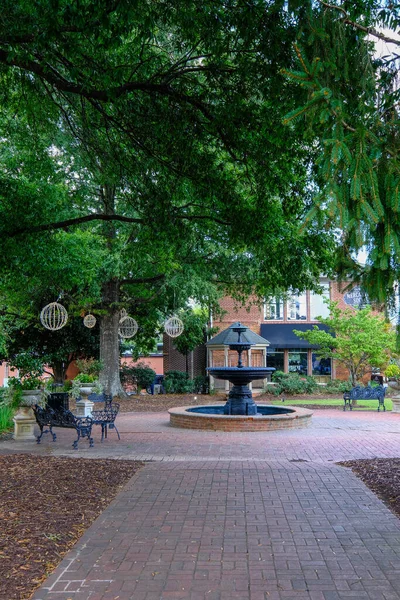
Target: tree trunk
x=109 y=342
x=353 y=377
x=59 y=371
x=187 y=363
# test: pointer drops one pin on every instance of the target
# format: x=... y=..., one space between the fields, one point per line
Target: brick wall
x=175 y=361
x=250 y=315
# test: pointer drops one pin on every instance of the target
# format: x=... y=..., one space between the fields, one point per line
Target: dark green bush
x=279 y=375
x=178 y=382
x=337 y=386
x=141 y=376
x=201 y=384
x=293 y=383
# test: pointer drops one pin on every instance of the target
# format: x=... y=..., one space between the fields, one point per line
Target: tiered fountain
x=240 y=412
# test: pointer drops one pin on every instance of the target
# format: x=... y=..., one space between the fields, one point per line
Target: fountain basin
x=212 y=418
x=237 y=375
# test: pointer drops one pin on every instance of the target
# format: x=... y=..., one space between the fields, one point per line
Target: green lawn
x=361 y=404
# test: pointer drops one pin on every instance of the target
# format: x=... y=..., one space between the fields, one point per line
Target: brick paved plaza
x=224 y=516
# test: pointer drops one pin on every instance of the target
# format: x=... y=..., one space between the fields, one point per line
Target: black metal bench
x=49 y=417
x=96 y=398
x=106 y=417
x=365 y=393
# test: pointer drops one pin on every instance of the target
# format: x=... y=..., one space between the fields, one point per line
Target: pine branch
x=369 y=30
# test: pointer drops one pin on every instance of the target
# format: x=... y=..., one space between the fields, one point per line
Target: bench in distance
x=365 y=393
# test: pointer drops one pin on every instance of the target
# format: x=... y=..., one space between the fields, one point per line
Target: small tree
x=359 y=340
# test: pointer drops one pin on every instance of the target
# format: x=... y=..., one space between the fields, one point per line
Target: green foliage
x=178 y=382
x=28 y=365
x=279 y=375
x=293 y=383
x=392 y=371
x=83 y=379
x=89 y=366
x=54 y=348
x=360 y=340
x=350 y=110
x=201 y=384
x=142 y=151
x=336 y=386
x=6 y=417
x=140 y=375
x=30 y=369
x=195 y=331
x=27 y=383
x=52 y=386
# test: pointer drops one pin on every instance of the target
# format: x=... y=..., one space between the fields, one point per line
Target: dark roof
x=281 y=335
x=226 y=337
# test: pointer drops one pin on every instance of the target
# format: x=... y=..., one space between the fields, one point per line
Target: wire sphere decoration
x=127 y=327
x=173 y=327
x=53 y=316
x=89 y=321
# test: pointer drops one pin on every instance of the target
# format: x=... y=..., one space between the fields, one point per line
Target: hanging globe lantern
x=89 y=321
x=127 y=327
x=53 y=316
x=173 y=327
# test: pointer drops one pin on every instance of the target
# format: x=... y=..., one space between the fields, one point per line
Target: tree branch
x=137 y=280
x=71 y=222
x=48 y=73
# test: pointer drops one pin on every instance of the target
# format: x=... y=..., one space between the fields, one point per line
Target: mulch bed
x=46 y=504
x=382 y=476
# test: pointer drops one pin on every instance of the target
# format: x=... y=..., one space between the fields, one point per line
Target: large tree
x=155 y=162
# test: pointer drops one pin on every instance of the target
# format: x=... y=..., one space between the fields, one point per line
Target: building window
x=318 y=308
x=297 y=308
x=273 y=309
x=275 y=359
x=321 y=366
x=298 y=361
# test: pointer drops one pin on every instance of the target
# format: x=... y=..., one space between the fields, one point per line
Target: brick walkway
x=222 y=516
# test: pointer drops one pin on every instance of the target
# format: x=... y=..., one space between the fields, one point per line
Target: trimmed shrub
x=293 y=383
x=178 y=382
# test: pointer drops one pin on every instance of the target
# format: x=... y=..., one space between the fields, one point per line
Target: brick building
x=275 y=320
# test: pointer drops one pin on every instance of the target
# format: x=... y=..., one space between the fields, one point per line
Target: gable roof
x=228 y=336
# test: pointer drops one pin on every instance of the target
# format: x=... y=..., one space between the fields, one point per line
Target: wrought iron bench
x=106 y=398
x=106 y=418
x=365 y=393
x=49 y=417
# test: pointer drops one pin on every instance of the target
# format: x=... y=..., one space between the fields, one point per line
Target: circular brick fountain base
x=212 y=418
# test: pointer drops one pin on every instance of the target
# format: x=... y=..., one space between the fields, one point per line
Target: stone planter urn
x=395 y=385
x=84 y=406
x=24 y=420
